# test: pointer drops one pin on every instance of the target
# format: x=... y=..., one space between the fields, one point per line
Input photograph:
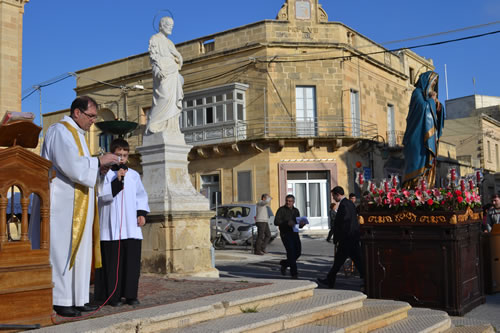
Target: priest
x=73 y=217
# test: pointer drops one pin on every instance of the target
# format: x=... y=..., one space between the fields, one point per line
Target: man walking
x=262 y=223
x=286 y=220
x=346 y=235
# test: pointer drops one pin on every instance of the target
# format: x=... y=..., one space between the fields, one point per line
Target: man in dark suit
x=346 y=237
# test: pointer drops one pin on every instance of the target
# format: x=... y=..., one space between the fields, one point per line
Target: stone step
x=324 y=303
x=371 y=316
x=472 y=329
x=182 y=314
x=469 y=325
x=421 y=321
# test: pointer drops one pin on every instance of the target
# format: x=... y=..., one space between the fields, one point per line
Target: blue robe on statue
x=424 y=126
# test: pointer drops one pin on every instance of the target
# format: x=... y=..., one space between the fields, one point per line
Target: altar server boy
x=123 y=206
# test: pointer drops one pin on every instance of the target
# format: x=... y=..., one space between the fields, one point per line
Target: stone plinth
x=178 y=245
x=165 y=174
x=177 y=232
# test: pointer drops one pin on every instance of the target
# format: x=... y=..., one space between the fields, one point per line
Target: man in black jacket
x=286 y=219
x=346 y=235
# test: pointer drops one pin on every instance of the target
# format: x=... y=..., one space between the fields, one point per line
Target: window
x=497 y=157
x=105 y=141
x=391 y=126
x=489 y=150
x=305 y=100
x=199 y=117
x=355 y=114
x=214 y=105
x=209 y=115
x=412 y=75
x=244 y=186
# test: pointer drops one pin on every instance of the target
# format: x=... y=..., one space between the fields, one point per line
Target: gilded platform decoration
x=420 y=217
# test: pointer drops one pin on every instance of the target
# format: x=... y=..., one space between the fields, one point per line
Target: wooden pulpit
x=25 y=274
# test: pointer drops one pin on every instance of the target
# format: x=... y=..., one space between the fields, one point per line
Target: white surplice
x=132 y=198
x=71 y=286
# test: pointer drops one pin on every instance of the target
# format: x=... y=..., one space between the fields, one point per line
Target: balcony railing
x=395 y=138
x=280 y=128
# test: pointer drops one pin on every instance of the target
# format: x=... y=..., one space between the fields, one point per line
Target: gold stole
x=80 y=209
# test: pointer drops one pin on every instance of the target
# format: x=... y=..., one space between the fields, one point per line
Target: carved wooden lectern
x=25 y=274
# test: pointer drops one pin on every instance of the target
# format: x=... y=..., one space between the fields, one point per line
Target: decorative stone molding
x=283 y=13
x=322 y=15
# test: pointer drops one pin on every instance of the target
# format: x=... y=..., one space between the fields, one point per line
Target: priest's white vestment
x=71 y=285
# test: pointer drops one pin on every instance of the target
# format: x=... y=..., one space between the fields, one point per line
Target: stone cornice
x=17 y=3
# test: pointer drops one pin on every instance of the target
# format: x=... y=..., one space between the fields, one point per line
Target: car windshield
x=233 y=211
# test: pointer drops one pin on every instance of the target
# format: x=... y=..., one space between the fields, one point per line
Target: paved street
x=316 y=260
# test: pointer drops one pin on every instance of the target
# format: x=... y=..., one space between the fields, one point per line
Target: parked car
x=235 y=224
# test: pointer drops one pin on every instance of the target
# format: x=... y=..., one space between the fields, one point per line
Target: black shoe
x=133 y=301
x=283 y=270
x=115 y=303
x=295 y=277
x=325 y=283
x=67 y=311
x=329 y=240
x=87 y=307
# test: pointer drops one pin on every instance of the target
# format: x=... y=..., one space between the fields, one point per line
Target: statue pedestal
x=177 y=235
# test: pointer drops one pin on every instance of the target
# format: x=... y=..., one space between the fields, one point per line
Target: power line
x=276 y=59
x=442 y=33
x=28 y=92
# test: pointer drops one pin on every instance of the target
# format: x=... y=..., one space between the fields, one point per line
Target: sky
x=62 y=36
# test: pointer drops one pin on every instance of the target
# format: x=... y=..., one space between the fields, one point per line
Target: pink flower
x=397 y=201
x=449 y=195
x=406 y=193
x=458 y=193
x=430 y=202
x=390 y=195
x=393 y=190
x=459 y=198
x=429 y=192
x=413 y=203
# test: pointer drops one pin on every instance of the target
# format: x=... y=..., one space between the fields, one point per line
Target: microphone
x=117 y=167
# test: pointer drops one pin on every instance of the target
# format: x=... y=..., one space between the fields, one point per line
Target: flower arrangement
x=459 y=195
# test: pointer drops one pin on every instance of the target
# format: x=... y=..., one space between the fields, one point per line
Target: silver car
x=242 y=213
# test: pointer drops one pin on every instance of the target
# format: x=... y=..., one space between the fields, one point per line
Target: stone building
x=473 y=125
x=279 y=106
x=11 y=51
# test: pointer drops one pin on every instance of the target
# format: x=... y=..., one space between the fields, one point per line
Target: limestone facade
x=275 y=102
x=11 y=41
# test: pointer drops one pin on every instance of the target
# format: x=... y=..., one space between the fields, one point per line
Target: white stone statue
x=167 y=81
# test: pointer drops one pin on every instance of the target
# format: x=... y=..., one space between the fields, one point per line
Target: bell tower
x=11 y=54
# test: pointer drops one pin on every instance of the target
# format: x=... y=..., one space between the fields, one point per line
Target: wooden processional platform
x=25 y=274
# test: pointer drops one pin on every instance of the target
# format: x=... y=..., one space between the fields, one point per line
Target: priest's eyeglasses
x=91 y=116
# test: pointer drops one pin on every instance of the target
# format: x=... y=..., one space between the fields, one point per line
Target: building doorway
x=210 y=188
x=310 y=189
